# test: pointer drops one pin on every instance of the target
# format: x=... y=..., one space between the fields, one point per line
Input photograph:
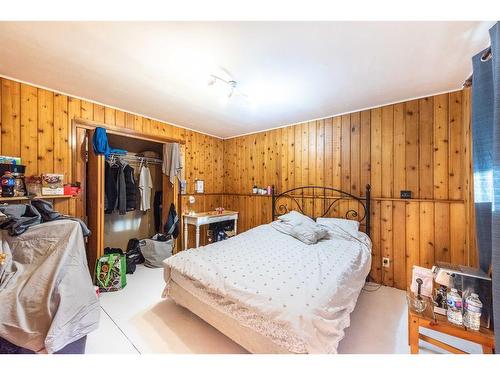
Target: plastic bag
x=155 y=252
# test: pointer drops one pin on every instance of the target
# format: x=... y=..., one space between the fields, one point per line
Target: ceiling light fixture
x=230 y=84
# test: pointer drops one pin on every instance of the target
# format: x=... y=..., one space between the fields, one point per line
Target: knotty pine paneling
x=419 y=145
x=36 y=125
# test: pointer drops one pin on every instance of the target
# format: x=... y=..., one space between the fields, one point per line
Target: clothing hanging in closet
x=119 y=187
x=130 y=188
x=101 y=145
x=145 y=187
x=157 y=209
x=172 y=161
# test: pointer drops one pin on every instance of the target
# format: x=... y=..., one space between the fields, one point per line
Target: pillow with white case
x=295 y=217
x=300 y=227
x=350 y=226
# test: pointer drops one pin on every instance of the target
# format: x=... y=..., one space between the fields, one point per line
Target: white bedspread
x=308 y=289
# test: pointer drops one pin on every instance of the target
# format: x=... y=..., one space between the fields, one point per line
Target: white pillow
x=350 y=226
x=300 y=227
x=295 y=217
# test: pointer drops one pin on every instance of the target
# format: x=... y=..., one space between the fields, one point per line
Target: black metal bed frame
x=299 y=199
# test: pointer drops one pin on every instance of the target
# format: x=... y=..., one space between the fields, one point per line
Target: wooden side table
x=203 y=218
x=439 y=323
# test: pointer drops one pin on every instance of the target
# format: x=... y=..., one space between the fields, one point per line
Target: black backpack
x=134 y=254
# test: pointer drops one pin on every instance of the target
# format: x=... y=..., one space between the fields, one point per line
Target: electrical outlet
x=386 y=262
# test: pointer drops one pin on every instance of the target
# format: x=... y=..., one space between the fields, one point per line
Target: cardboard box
x=53 y=184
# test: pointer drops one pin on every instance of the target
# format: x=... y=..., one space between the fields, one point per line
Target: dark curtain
x=486 y=157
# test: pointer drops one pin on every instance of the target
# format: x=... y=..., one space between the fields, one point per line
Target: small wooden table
x=203 y=218
x=439 y=323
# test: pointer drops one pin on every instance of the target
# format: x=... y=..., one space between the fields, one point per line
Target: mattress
x=298 y=296
x=245 y=336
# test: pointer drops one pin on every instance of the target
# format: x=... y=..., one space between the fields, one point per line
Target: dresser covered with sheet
x=47 y=298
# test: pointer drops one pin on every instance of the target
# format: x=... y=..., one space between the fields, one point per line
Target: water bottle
x=472 y=315
x=454 y=312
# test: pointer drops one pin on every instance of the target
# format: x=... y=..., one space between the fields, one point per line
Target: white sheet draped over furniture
x=299 y=296
x=47 y=299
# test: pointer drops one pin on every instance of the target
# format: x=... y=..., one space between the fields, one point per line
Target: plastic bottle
x=472 y=314
x=454 y=311
x=8 y=182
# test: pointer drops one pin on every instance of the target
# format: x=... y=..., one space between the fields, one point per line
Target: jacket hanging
x=119 y=188
x=172 y=162
x=157 y=209
x=130 y=188
x=172 y=226
x=145 y=187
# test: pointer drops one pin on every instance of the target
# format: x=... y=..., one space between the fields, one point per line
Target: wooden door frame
x=94 y=192
x=170 y=193
x=81 y=123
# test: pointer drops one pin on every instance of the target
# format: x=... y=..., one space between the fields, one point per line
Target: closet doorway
x=120 y=227
x=113 y=229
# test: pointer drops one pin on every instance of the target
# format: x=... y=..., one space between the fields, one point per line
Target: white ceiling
x=291 y=71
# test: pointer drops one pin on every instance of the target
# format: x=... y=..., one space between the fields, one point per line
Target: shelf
x=7 y=199
x=54 y=197
x=238 y=194
x=250 y=195
x=330 y=197
x=188 y=194
x=308 y=196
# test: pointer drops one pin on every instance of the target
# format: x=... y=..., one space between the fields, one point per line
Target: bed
x=270 y=292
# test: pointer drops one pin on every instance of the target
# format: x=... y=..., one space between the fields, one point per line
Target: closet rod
x=130 y=157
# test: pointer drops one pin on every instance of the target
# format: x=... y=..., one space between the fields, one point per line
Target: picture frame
x=183 y=185
x=199 y=186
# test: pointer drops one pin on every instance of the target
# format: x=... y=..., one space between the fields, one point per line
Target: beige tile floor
x=137 y=320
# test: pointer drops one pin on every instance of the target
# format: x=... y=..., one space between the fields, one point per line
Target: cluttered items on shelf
x=462 y=294
x=15 y=183
x=12 y=177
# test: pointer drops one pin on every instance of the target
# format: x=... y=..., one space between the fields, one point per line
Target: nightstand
x=204 y=218
x=439 y=323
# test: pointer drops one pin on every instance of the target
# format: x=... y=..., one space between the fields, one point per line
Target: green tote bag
x=111 y=272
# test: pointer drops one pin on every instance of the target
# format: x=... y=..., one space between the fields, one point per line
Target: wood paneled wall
x=420 y=145
x=36 y=125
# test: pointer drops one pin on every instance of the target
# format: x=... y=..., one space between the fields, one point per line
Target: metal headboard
x=297 y=196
